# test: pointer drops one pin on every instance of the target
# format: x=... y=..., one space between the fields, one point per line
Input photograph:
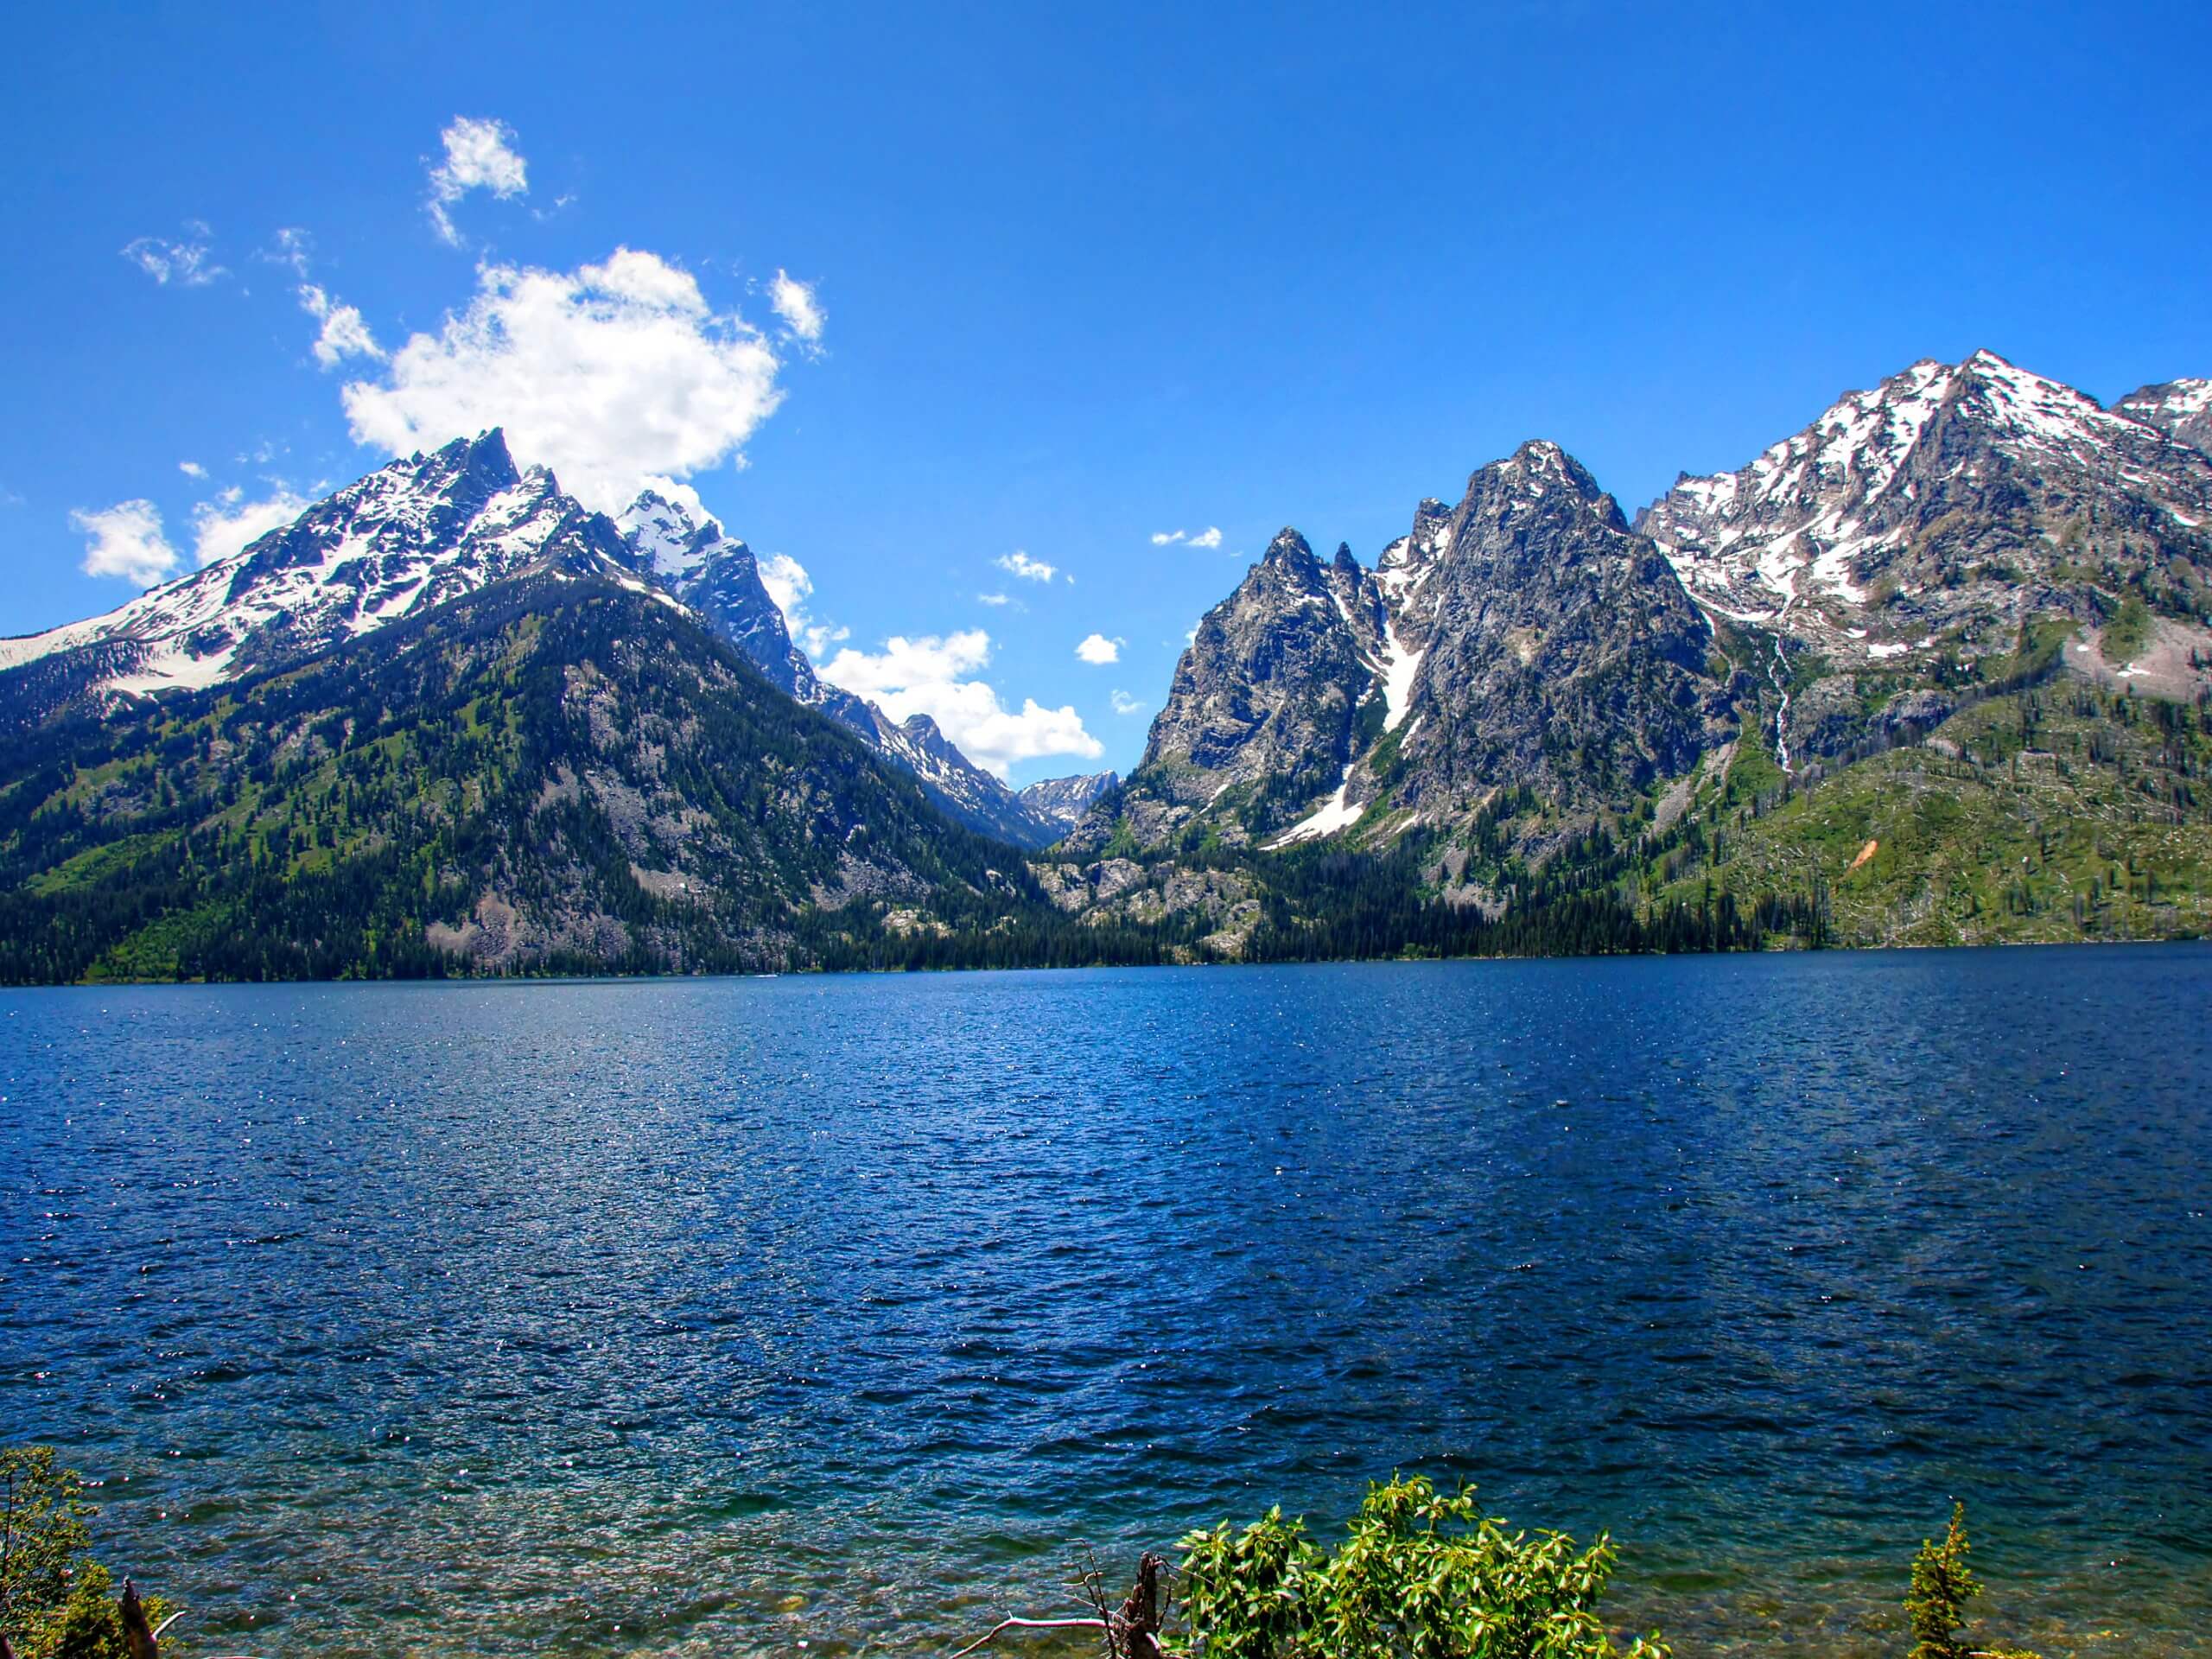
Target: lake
x=720 y=1316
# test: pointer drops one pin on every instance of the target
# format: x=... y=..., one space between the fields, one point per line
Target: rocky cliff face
x=1936 y=511
x=1527 y=638
x=1548 y=647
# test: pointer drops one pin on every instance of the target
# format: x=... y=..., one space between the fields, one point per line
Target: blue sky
x=1082 y=278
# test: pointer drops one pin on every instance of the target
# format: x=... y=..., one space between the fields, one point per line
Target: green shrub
x=1419 y=1576
x=55 y=1602
x=1941 y=1587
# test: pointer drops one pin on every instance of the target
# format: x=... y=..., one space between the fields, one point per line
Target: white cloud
x=1207 y=537
x=1020 y=564
x=1210 y=537
x=480 y=155
x=1165 y=538
x=192 y=469
x=344 y=335
x=994 y=599
x=295 y=248
x=227 y=526
x=612 y=375
x=126 y=541
x=1126 y=704
x=796 y=304
x=186 y=263
x=789 y=585
x=1098 y=651
x=928 y=677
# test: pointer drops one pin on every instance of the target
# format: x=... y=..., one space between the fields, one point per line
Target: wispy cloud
x=344 y=334
x=796 y=303
x=294 y=249
x=1125 y=704
x=192 y=469
x=187 y=262
x=480 y=155
x=1018 y=563
x=1210 y=537
x=229 y=524
x=125 y=541
x=994 y=599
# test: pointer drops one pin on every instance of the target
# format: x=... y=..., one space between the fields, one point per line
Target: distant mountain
x=403 y=541
x=1526 y=639
x=1937 y=669
x=719 y=576
x=1936 y=511
x=1064 y=800
x=2181 y=409
x=549 y=773
x=425 y=529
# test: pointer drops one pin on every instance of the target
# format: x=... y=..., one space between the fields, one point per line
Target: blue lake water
x=721 y=1315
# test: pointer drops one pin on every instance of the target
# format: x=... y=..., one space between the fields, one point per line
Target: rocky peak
x=1538 y=480
x=1929 y=510
x=2180 y=409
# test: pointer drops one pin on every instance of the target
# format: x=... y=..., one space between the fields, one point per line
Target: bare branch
x=1006 y=1624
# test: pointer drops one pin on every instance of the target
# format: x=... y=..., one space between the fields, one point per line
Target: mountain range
x=1827 y=696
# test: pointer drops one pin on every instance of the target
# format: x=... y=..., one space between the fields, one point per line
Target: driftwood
x=137 y=1633
x=1132 y=1631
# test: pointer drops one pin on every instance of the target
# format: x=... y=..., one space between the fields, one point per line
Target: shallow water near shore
x=719 y=1315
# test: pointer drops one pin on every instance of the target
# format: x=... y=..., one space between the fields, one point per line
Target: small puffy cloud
x=1126 y=704
x=1098 y=651
x=932 y=676
x=344 y=335
x=480 y=155
x=612 y=375
x=186 y=263
x=1018 y=563
x=126 y=541
x=192 y=469
x=229 y=524
x=1165 y=538
x=796 y=304
x=1210 y=537
x=790 y=586
x=994 y=599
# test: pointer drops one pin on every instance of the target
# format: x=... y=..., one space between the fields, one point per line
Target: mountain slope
x=1938 y=511
x=719 y=576
x=399 y=543
x=2180 y=409
x=1526 y=640
x=547 y=773
x=1064 y=800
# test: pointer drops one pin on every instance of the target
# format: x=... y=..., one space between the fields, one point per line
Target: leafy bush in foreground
x=54 y=1602
x=1420 y=1576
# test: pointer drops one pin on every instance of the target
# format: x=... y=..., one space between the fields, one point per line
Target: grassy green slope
x=2062 y=813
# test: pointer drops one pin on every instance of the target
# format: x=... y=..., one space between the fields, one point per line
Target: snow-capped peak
x=410 y=536
x=669 y=537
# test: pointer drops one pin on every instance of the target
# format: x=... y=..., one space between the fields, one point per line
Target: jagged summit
x=410 y=536
x=1499 y=635
x=1914 y=510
